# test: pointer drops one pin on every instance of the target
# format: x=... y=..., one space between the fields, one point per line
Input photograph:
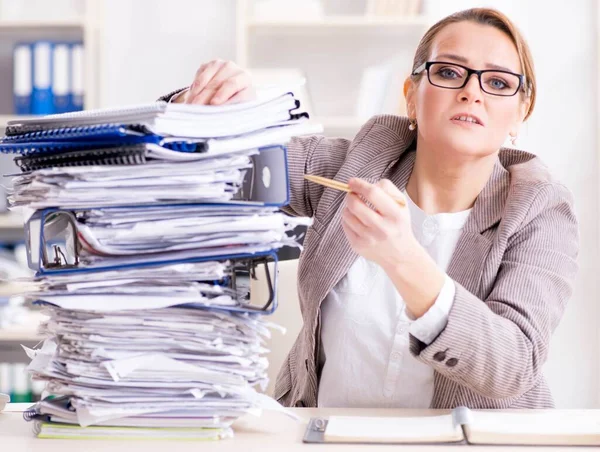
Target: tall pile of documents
x=144 y=226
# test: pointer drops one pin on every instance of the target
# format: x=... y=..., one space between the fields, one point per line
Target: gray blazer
x=513 y=267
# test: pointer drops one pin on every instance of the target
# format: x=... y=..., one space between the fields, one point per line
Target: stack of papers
x=140 y=366
x=148 y=223
x=214 y=180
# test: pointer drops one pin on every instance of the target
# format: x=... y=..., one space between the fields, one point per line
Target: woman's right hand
x=219 y=82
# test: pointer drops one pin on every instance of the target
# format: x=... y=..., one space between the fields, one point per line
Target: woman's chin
x=464 y=146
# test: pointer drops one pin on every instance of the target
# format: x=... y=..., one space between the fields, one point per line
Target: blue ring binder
x=37 y=259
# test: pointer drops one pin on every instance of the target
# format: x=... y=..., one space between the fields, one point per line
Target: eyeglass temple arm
x=420 y=69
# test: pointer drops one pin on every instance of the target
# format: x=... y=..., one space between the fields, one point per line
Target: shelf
x=341 y=21
x=11 y=221
x=20 y=333
x=40 y=23
x=23 y=333
x=11 y=228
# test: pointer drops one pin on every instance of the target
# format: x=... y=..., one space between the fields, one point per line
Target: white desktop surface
x=270 y=432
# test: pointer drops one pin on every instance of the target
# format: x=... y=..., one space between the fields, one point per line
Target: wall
x=153 y=46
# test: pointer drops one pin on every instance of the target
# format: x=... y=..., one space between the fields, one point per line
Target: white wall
x=153 y=46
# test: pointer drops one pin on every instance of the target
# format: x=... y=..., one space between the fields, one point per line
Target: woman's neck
x=445 y=183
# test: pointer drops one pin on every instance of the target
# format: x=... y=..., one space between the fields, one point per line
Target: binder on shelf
x=22 y=78
x=61 y=78
x=48 y=77
x=77 y=94
x=42 y=102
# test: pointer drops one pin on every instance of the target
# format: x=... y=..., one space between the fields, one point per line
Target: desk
x=271 y=432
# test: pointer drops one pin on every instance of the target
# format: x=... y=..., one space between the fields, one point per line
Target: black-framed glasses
x=455 y=76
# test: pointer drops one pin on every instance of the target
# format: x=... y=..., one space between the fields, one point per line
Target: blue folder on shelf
x=42 y=96
x=22 y=78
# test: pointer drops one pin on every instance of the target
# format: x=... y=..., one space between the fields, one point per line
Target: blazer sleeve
x=316 y=155
x=499 y=345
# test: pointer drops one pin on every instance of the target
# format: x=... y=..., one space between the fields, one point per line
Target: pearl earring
x=412 y=125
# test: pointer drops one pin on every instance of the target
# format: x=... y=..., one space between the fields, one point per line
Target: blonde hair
x=493 y=18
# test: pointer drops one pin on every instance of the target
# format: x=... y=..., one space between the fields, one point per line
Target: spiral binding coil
x=54 y=134
x=125 y=155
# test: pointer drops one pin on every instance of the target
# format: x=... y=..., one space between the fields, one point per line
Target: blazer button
x=452 y=362
x=439 y=356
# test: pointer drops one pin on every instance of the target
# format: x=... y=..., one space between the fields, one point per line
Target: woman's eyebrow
x=465 y=61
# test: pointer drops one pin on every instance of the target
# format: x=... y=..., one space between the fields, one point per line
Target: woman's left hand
x=383 y=234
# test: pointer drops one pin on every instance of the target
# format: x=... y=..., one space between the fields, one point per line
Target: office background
x=140 y=49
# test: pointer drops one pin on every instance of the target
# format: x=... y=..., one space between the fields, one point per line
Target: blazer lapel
x=467 y=263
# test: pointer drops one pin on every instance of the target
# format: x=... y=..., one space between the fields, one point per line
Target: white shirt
x=365 y=327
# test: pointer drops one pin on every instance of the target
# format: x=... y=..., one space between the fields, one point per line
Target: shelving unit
x=86 y=27
x=19 y=333
x=38 y=23
x=11 y=228
x=331 y=50
x=353 y=21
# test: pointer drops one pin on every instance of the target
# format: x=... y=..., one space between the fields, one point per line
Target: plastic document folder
x=145 y=226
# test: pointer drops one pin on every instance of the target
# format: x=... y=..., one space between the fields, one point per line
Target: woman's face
x=478 y=47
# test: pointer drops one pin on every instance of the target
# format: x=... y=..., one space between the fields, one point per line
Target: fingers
x=388 y=187
x=359 y=214
x=204 y=75
x=378 y=195
x=243 y=96
x=217 y=82
x=353 y=237
x=230 y=87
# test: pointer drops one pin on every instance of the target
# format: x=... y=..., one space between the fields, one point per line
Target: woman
x=452 y=298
